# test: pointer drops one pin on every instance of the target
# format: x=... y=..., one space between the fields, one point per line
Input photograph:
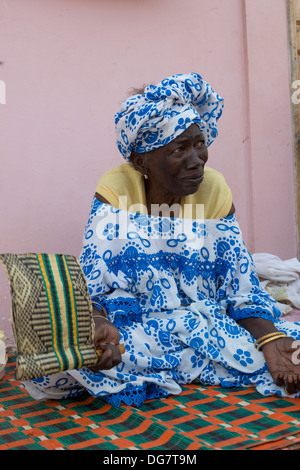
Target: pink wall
x=69 y=63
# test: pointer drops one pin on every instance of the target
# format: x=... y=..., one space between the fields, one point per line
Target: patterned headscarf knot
x=159 y=115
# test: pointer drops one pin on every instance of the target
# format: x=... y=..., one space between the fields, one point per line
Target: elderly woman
x=164 y=257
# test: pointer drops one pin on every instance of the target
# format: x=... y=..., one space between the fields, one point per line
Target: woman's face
x=178 y=167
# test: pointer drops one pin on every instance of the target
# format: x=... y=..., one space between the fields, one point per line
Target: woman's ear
x=138 y=160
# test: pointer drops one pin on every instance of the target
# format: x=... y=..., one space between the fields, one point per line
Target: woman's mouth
x=194 y=179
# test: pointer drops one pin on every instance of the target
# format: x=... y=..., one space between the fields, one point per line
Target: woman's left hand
x=280 y=358
x=281 y=355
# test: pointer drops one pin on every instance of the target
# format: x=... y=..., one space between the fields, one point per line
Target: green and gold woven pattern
x=51 y=314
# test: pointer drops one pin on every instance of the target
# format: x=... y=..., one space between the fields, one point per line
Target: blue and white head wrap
x=159 y=115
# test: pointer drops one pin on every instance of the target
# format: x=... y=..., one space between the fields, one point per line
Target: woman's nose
x=194 y=160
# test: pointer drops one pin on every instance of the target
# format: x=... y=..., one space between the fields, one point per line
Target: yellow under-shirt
x=125 y=180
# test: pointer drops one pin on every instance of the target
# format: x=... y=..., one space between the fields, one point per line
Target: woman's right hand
x=107 y=339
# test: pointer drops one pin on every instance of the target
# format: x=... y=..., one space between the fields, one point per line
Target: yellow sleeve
x=105 y=188
x=221 y=201
x=122 y=181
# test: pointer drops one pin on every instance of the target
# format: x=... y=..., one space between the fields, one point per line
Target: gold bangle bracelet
x=280 y=335
x=100 y=316
x=275 y=333
x=102 y=308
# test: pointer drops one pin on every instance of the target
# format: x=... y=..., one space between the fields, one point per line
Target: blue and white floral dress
x=175 y=289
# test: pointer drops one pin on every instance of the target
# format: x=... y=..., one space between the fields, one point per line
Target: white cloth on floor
x=281 y=279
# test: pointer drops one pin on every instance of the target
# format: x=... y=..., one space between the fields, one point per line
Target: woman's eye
x=201 y=144
x=178 y=150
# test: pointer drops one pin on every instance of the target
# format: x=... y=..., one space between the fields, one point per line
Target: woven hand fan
x=51 y=314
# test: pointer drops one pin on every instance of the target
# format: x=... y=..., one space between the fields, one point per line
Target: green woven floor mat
x=200 y=418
